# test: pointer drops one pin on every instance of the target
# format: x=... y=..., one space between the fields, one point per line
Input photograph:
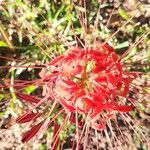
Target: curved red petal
x=107 y=47
x=27 y=117
x=67 y=106
x=123 y=108
x=32 y=132
x=28 y=98
x=56 y=60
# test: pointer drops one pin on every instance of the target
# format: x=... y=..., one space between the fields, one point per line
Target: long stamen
x=129 y=20
x=139 y=39
x=77 y=129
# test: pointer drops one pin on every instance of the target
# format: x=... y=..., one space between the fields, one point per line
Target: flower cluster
x=89 y=82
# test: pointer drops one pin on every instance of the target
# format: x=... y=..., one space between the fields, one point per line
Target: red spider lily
x=89 y=81
x=86 y=81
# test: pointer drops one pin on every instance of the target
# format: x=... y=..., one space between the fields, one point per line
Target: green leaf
x=1 y=96
x=123 y=14
x=29 y=89
x=2 y=114
x=3 y=44
x=42 y=147
x=122 y=45
x=147 y=90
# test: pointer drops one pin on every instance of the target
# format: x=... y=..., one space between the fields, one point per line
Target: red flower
x=86 y=81
x=89 y=81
